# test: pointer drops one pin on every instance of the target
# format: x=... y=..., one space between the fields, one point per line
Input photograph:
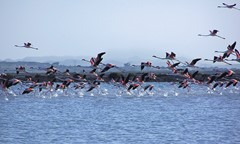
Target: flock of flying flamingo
x=125 y=82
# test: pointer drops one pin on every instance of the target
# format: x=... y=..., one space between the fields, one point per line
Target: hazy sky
x=123 y=28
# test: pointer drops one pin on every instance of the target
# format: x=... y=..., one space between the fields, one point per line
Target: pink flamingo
x=232 y=6
x=212 y=33
x=218 y=59
x=27 y=45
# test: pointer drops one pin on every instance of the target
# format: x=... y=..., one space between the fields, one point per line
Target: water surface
x=163 y=117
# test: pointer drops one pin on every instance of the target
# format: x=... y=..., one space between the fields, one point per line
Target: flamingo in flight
x=107 y=67
x=80 y=85
x=146 y=64
x=28 y=90
x=211 y=79
x=6 y=83
x=229 y=73
x=93 y=85
x=184 y=84
x=27 y=45
x=51 y=70
x=219 y=83
x=133 y=86
x=229 y=51
x=173 y=66
x=193 y=62
x=232 y=82
x=124 y=81
x=237 y=56
x=212 y=33
x=169 y=56
x=20 y=69
x=149 y=87
x=189 y=75
x=232 y=6
x=141 y=78
x=218 y=59
x=95 y=61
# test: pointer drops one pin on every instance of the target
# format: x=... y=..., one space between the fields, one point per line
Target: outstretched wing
x=173 y=55
x=100 y=54
x=237 y=54
x=194 y=61
x=176 y=64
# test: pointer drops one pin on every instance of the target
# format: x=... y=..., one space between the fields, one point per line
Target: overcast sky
x=124 y=29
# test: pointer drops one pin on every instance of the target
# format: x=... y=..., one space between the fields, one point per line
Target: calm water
x=184 y=117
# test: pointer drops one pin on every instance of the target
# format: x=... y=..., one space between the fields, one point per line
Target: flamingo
x=20 y=69
x=149 y=87
x=12 y=82
x=184 y=84
x=67 y=82
x=51 y=70
x=28 y=90
x=80 y=85
x=64 y=84
x=42 y=86
x=125 y=80
x=67 y=72
x=147 y=64
x=80 y=78
x=95 y=61
x=100 y=78
x=220 y=84
x=237 y=56
x=232 y=6
x=189 y=75
x=169 y=56
x=58 y=86
x=93 y=72
x=232 y=82
x=193 y=62
x=5 y=84
x=152 y=76
x=172 y=66
x=229 y=51
x=142 y=78
x=133 y=86
x=226 y=74
x=211 y=79
x=212 y=33
x=218 y=59
x=107 y=67
x=99 y=58
x=27 y=45
x=93 y=85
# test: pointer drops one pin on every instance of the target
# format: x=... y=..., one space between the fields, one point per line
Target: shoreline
x=161 y=76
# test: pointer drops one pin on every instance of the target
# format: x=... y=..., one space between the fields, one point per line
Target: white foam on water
x=160 y=89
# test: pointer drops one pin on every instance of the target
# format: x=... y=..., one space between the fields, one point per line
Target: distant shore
x=37 y=72
x=161 y=76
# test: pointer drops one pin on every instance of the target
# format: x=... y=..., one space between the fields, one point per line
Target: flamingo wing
x=237 y=54
x=224 y=4
x=176 y=64
x=173 y=54
x=232 y=46
x=100 y=54
x=194 y=61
